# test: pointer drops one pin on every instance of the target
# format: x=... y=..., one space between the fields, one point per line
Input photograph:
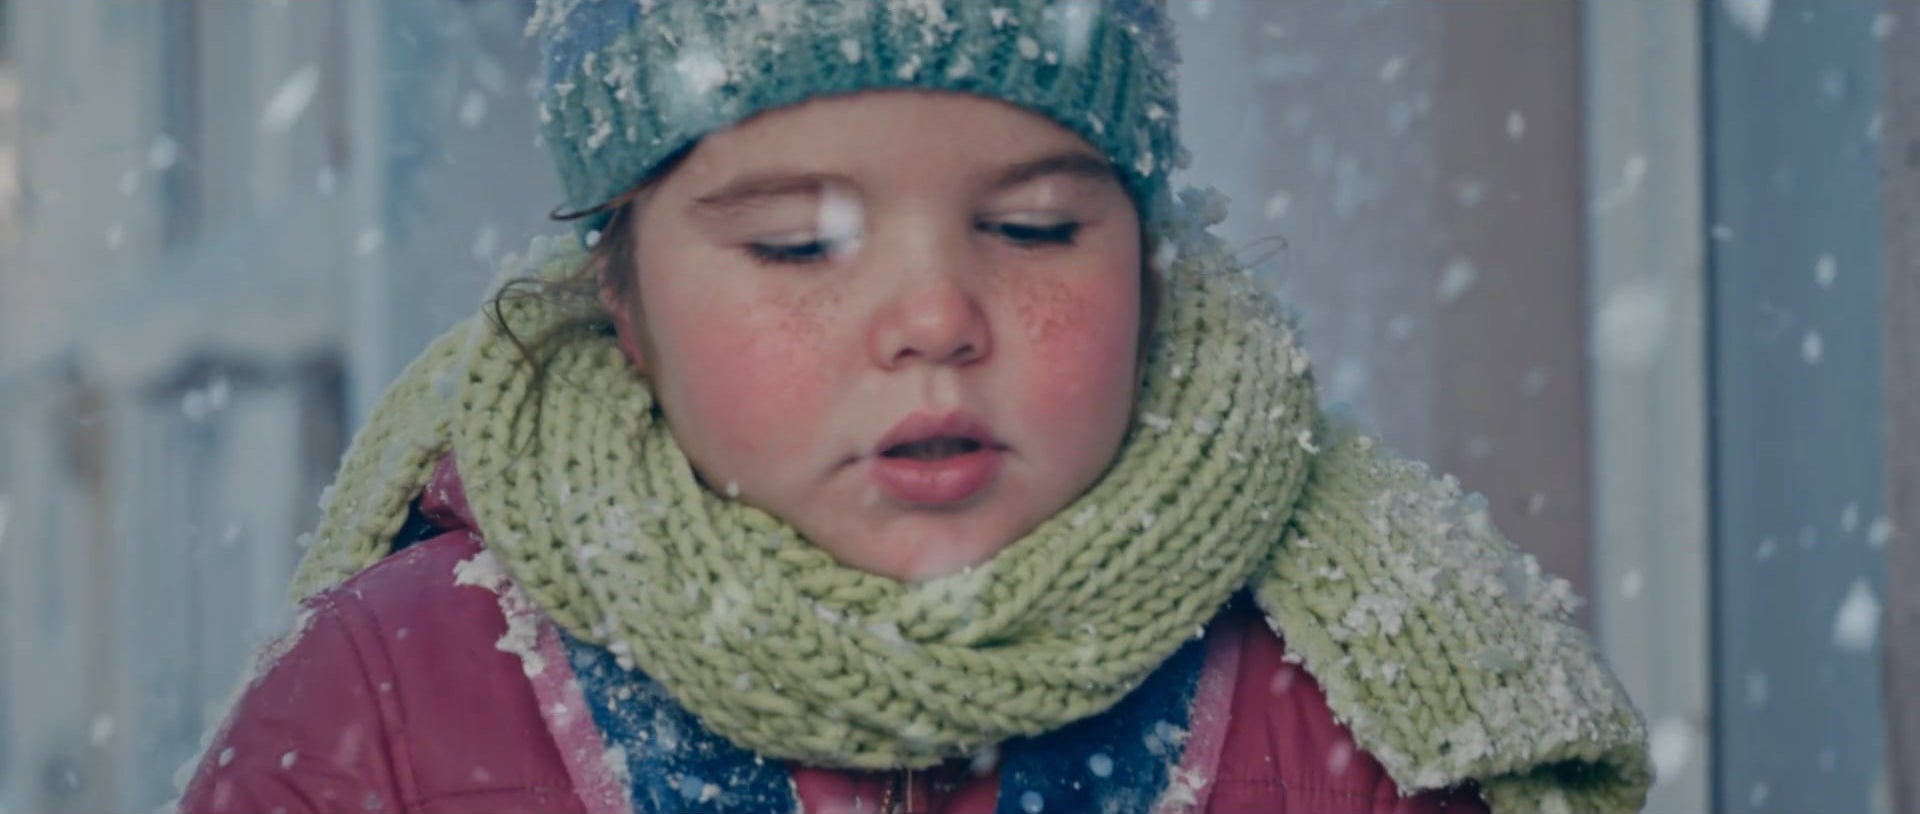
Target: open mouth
x=939 y=461
x=932 y=449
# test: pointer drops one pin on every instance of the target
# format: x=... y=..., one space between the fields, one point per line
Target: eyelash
x=798 y=254
x=1023 y=235
x=1020 y=235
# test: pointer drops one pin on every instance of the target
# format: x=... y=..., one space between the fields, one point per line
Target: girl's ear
x=626 y=330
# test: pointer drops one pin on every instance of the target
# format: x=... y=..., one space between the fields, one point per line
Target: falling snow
x=1856 y=627
x=1633 y=175
x=1631 y=329
x=1456 y=280
x=162 y=153
x=1391 y=70
x=290 y=101
x=1825 y=270
x=368 y=242
x=841 y=220
x=1340 y=757
x=1750 y=16
x=1833 y=84
x=1878 y=533
x=101 y=731
x=199 y=403
x=473 y=109
x=1100 y=765
x=1075 y=34
x=1031 y=802
x=1470 y=192
x=486 y=244
x=1883 y=25
x=1812 y=347
x=1630 y=584
x=1758 y=689
x=1278 y=205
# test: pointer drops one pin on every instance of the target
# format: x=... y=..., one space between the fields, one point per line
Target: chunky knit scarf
x=1441 y=648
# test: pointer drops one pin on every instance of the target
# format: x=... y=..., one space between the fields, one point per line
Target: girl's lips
x=936 y=482
x=926 y=426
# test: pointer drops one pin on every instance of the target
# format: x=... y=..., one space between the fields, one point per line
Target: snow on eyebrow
x=842 y=220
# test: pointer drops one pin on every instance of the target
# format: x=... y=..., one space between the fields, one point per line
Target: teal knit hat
x=629 y=83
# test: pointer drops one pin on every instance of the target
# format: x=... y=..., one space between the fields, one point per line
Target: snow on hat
x=628 y=83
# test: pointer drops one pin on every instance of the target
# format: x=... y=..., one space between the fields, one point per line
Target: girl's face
x=905 y=322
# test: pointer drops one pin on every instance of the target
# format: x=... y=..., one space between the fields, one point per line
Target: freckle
x=800 y=315
x=786 y=329
x=792 y=315
x=1049 y=308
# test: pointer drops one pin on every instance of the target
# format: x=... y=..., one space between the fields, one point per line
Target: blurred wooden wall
x=1900 y=219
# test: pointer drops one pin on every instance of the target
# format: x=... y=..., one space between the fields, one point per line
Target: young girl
x=892 y=439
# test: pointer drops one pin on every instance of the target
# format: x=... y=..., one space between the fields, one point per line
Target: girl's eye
x=812 y=251
x=1021 y=234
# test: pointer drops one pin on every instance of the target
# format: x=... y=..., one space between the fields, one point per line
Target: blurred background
x=1645 y=272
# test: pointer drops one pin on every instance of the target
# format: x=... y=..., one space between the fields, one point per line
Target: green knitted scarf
x=1442 y=649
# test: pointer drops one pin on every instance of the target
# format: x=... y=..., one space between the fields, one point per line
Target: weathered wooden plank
x=1900 y=219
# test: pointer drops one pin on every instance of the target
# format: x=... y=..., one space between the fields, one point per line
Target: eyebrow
x=747 y=191
x=1073 y=163
x=744 y=192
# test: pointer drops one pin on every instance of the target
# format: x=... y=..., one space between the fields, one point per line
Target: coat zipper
x=898 y=798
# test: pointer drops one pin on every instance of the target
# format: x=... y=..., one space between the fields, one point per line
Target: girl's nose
x=934 y=320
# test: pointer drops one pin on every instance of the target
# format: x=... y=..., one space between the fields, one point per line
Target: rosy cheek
x=748 y=377
x=1083 y=335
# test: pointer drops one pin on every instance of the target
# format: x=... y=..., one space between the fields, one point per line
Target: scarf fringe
x=1442 y=647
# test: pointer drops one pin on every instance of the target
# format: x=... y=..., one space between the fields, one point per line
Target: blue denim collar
x=1117 y=762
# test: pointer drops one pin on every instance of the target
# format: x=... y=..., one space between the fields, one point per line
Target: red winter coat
x=391 y=696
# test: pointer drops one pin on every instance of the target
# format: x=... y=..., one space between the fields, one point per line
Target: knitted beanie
x=629 y=83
